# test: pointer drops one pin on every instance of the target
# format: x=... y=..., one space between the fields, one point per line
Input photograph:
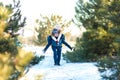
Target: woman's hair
x=58 y=28
x=59 y=31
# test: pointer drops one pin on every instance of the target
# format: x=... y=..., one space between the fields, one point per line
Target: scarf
x=58 y=39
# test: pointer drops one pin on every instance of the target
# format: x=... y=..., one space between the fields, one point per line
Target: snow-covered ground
x=67 y=71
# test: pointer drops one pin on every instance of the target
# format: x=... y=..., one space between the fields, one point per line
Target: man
x=56 y=39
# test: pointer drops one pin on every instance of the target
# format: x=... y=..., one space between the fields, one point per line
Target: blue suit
x=57 y=47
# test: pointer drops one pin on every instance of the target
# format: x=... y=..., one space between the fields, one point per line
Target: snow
x=67 y=71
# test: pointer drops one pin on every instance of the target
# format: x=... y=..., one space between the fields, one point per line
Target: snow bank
x=67 y=71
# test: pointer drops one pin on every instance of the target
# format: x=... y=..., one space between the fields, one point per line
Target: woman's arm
x=65 y=43
x=49 y=40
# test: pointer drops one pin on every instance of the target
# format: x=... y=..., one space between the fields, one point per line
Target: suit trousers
x=57 y=54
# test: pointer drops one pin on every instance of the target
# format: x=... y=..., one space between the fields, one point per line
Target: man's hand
x=43 y=51
x=72 y=49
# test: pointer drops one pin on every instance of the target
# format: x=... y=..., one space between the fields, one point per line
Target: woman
x=56 y=40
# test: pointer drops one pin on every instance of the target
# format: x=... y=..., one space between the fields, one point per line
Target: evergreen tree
x=97 y=18
x=15 y=21
x=97 y=41
x=13 y=59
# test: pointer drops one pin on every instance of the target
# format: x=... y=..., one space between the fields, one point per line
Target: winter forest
x=59 y=40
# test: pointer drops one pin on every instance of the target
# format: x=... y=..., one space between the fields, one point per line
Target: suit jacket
x=54 y=43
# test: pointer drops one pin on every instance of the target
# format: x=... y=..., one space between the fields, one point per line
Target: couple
x=55 y=40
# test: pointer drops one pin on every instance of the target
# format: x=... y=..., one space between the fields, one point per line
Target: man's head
x=55 y=32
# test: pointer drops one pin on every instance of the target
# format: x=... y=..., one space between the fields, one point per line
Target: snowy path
x=67 y=71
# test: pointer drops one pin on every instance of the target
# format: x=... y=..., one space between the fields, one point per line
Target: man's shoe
x=55 y=64
x=58 y=64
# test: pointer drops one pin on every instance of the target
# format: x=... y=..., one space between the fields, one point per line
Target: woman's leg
x=55 y=55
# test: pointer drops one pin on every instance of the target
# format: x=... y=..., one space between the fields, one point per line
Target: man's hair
x=55 y=31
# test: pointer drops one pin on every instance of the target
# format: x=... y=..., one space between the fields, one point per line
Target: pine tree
x=97 y=41
x=13 y=59
x=97 y=18
x=108 y=63
x=15 y=21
